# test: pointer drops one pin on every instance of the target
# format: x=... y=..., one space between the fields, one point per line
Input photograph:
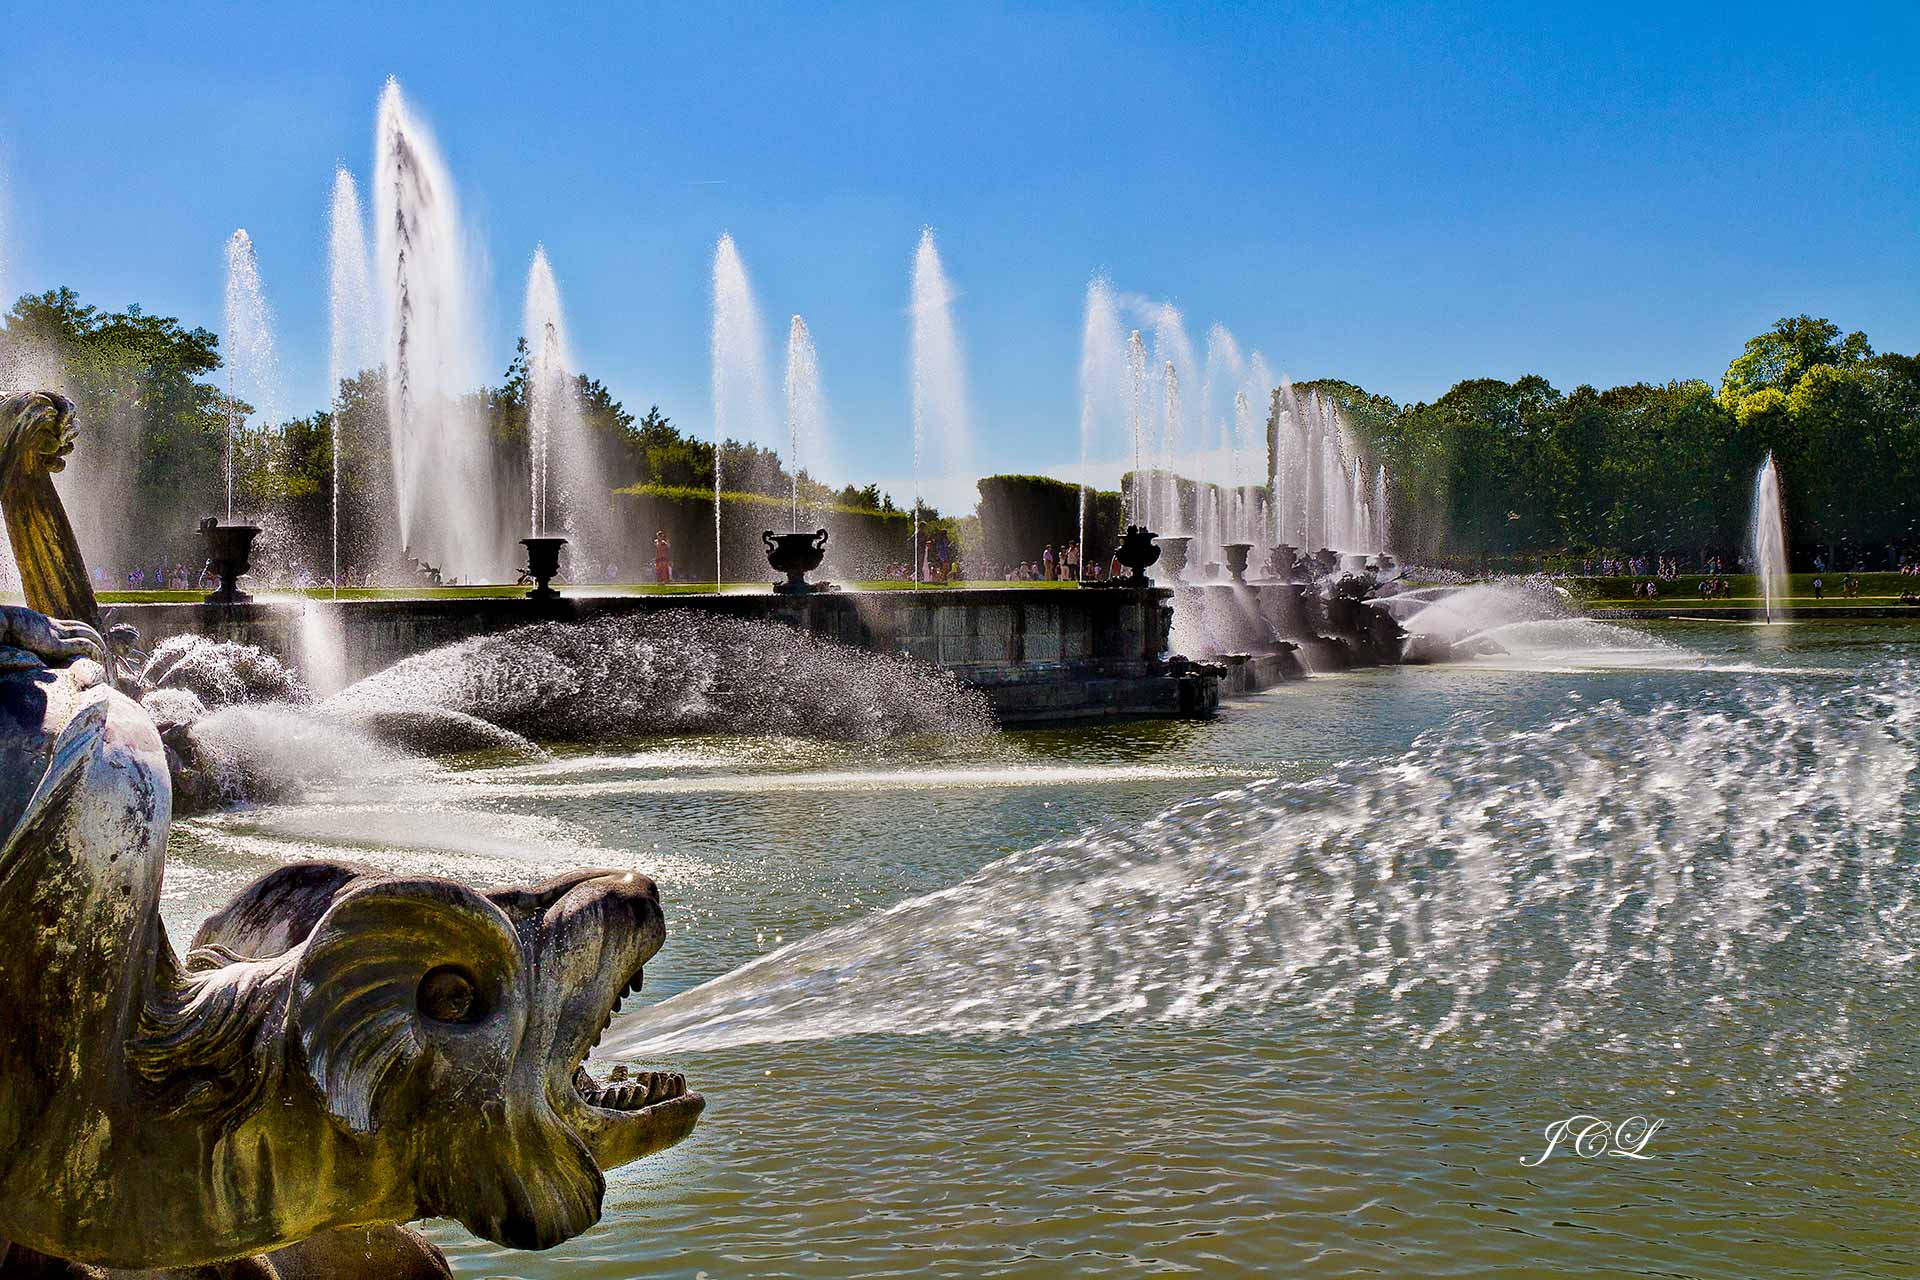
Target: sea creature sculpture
x=339 y=1051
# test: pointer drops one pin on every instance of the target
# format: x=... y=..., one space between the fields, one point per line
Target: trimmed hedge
x=1021 y=515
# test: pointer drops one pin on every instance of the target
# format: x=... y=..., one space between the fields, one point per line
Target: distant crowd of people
x=1065 y=566
x=1664 y=568
x=181 y=577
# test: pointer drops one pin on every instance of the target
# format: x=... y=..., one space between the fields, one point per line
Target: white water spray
x=740 y=407
x=1767 y=537
x=444 y=488
x=941 y=415
x=806 y=412
x=352 y=345
x=252 y=370
x=1103 y=388
x=566 y=479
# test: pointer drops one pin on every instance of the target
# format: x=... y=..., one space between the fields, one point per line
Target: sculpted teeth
x=643 y=1090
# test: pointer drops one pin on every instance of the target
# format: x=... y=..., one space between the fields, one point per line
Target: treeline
x=1512 y=471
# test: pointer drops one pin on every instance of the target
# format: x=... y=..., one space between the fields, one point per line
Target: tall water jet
x=1286 y=452
x=252 y=373
x=444 y=491
x=1172 y=348
x=738 y=368
x=1767 y=539
x=940 y=411
x=1330 y=491
x=1103 y=386
x=352 y=344
x=1172 y=416
x=1380 y=509
x=568 y=484
x=806 y=411
x=1136 y=424
x=1243 y=436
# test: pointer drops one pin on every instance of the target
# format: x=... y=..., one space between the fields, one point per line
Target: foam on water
x=677 y=671
x=1629 y=881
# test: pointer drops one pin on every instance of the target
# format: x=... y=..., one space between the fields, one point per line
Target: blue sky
x=1400 y=195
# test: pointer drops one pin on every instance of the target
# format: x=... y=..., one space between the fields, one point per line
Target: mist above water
x=676 y=671
x=1526 y=621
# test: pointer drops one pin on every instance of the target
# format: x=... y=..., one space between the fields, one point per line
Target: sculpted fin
x=85 y=734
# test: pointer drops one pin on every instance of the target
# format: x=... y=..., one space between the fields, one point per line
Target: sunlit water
x=1294 y=992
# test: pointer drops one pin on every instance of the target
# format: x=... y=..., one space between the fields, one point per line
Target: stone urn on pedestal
x=1283 y=562
x=543 y=563
x=229 y=554
x=796 y=555
x=1173 y=558
x=1137 y=551
x=1234 y=555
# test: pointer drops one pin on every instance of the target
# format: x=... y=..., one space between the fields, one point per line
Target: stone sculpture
x=338 y=1051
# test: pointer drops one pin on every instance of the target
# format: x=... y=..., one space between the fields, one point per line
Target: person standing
x=1046 y=562
x=662 y=557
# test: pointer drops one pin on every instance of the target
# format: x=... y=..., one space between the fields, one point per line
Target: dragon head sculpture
x=338 y=1047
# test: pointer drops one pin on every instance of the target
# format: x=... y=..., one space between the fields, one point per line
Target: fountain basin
x=1234 y=556
x=796 y=555
x=229 y=554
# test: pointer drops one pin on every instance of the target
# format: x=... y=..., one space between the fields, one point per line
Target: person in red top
x=662 y=558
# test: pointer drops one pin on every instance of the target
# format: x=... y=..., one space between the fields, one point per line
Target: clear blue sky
x=1395 y=194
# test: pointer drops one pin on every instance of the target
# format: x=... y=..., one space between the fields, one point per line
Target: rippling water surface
x=1293 y=992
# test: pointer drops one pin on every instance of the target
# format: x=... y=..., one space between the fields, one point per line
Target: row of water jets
x=1218 y=448
x=1220 y=451
x=402 y=299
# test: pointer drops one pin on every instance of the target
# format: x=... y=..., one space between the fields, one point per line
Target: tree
x=153 y=429
x=1781 y=356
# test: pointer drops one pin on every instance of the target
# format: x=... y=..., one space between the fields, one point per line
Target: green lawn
x=1616 y=593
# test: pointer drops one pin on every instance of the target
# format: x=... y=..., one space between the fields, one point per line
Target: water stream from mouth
x=1623 y=878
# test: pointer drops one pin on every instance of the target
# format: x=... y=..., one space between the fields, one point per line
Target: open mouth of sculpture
x=631 y=1094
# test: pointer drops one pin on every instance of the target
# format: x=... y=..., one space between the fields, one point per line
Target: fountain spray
x=250 y=358
x=1768 y=538
x=803 y=408
x=352 y=344
x=740 y=402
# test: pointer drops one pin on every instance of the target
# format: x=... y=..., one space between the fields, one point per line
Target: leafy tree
x=1780 y=357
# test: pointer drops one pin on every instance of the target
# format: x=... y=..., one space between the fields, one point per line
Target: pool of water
x=1297 y=991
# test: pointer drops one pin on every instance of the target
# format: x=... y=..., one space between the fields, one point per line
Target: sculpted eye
x=448 y=994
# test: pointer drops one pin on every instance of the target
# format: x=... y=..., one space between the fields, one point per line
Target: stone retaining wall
x=1039 y=655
